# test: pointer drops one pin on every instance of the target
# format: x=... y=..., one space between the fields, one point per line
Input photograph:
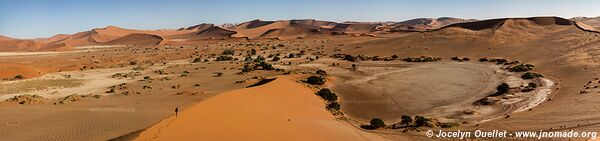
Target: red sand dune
x=247 y=114
x=136 y=39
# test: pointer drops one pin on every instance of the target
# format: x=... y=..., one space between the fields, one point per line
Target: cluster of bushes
x=521 y=68
x=330 y=98
x=228 y=52
x=225 y=58
x=258 y=66
x=408 y=121
x=374 y=124
x=460 y=59
x=327 y=95
x=496 y=60
x=315 y=80
x=531 y=75
x=421 y=59
x=351 y=58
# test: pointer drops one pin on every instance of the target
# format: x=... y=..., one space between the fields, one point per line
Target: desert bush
x=327 y=95
x=275 y=58
x=455 y=59
x=321 y=72
x=253 y=51
x=502 y=89
x=521 y=68
x=483 y=60
x=420 y=121
x=224 y=58
x=531 y=75
x=376 y=122
x=406 y=119
x=197 y=60
x=368 y=127
x=499 y=61
x=218 y=74
x=333 y=105
x=315 y=80
x=228 y=52
x=18 y=76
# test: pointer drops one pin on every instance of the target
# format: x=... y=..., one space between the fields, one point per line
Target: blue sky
x=44 y=18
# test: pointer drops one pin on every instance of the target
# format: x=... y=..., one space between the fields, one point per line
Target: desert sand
x=248 y=113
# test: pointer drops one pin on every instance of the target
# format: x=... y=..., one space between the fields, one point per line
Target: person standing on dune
x=176 y=110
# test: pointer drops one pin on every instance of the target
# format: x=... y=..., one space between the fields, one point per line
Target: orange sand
x=279 y=110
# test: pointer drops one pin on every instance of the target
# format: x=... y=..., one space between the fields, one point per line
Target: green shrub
x=224 y=58
x=327 y=95
x=376 y=122
x=333 y=105
x=521 y=68
x=502 y=89
x=531 y=75
x=406 y=119
x=420 y=120
x=228 y=52
x=315 y=80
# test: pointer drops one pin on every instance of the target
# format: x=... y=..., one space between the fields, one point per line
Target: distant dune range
x=255 y=29
x=280 y=29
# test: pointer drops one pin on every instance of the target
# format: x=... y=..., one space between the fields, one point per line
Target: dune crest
x=247 y=114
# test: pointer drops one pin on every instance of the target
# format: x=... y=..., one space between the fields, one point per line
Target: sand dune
x=247 y=114
x=4 y=38
x=136 y=39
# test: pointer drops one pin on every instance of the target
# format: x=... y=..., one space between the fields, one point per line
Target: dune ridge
x=246 y=114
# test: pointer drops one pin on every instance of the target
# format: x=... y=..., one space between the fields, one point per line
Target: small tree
x=315 y=80
x=377 y=123
x=327 y=94
x=502 y=89
x=253 y=51
x=420 y=120
x=406 y=119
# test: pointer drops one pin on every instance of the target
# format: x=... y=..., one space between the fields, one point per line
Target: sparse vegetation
x=228 y=52
x=421 y=59
x=315 y=80
x=531 y=75
x=327 y=95
x=521 y=68
x=374 y=124
x=18 y=76
x=333 y=105
x=502 y=89
x=224 y=58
